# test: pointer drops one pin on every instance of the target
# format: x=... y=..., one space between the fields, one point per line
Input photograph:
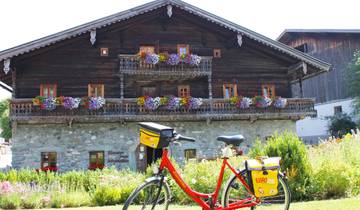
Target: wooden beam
x=13 y=77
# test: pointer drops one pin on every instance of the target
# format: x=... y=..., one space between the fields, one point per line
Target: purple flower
x=193 y=60
x=244 y=103
x=49 y=103
x=71 y=103
x=174 y=59
x=195 y=103
x=280 y=103
x=96 y=103
x=174 y=102
x=151 y=58
x=152 y=103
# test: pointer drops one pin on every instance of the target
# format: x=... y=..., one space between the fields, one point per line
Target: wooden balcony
x=117 y=110
x=132 y=65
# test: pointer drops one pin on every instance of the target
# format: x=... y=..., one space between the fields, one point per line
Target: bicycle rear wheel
x=144 y=197
x=235 y=191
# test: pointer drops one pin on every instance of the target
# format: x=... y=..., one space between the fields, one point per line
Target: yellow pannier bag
x=155 y=135
x=264 y=172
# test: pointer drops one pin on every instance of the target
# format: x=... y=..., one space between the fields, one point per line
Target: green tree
x=353 y=80
x=5 y=120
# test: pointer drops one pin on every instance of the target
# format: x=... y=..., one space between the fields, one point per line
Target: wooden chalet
x=101 y=58
x=335 y=46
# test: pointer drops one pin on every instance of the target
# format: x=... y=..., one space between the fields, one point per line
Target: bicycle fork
x=159 y=191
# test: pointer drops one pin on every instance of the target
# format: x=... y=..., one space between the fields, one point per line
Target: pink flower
x=5 y=187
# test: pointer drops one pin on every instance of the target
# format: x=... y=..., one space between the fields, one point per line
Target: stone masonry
x=119 y=141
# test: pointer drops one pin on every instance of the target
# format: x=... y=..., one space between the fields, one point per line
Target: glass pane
x=147 y=49
x=227 y=93
x=51 y=94
x=182 y=50
x=45 y=92
x=265 y=92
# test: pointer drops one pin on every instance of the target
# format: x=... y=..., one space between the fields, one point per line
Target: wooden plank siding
x=336 y=49
x=73 y=64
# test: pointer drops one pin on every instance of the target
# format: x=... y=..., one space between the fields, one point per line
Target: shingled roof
x=106 y=21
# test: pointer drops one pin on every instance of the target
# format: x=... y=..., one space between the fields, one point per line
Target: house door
x=149 y=91
x=152 y=155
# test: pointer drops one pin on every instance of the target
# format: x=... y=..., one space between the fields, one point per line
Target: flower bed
x=169 y=102
x=70 y=103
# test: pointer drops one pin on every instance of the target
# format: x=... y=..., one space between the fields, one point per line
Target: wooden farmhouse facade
x=335 y=46
x=79 y=94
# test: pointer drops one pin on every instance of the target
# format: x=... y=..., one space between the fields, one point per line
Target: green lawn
x=341 y=204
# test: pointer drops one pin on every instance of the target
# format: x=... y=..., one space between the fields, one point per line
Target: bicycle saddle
x=235 y=140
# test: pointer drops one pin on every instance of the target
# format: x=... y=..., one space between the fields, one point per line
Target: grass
x=341 y=204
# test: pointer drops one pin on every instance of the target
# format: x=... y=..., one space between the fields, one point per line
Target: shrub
x=107 y=195
x=10 y=201
x=115 y=188
x=32 y=201
x=341 y=124
x=69 y=199
x=294 y=161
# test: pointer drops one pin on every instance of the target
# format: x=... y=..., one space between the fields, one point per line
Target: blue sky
x=22 y=20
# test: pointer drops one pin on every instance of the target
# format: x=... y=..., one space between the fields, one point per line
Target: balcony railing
x=131 y=64
x=116 y=110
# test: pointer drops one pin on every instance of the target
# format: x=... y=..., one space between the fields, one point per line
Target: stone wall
x=120 y=141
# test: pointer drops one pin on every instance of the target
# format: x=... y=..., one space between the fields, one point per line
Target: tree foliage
x=341 y=124
x=5 y=120
x=353 y=80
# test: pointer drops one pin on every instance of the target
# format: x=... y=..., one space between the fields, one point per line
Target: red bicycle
x=237 y=193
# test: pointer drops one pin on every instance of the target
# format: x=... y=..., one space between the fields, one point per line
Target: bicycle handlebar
x=179 y=137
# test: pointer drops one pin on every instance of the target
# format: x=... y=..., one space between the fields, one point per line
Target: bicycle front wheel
x=235 y=191
x=145 y=196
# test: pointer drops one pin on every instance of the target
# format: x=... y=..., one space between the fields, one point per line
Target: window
x=229 y=90
x=183 y=90
x=147 y=49
x=337 y=109
x=96 y=160
x=96 y=90
x=303 y=48
x=268 y=90
x=190 y=154
x=104 y=51
x=48 y=90
x=48 y=161
x=217 y=53
x=183 y=49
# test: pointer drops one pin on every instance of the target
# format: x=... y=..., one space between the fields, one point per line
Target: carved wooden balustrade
x=131 y=64
x=115 y=110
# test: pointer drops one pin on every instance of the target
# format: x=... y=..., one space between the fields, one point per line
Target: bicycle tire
x=283 y=187
x=131 y=203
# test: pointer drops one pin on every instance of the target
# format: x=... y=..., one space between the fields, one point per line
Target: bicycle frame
x=198 y=197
